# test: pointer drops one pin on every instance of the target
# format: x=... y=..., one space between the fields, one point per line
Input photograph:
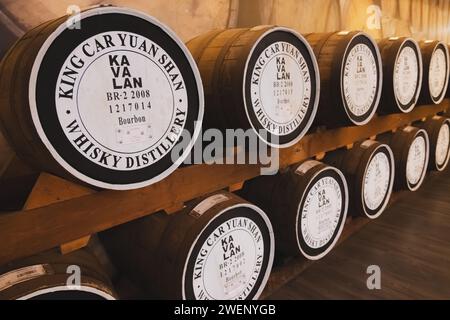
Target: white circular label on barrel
x=442 y=145
x=360 y=79
x=438 y=72
x=229 y=262
x=281 y=88
x=406 y=74
x=376 y=181
x=121 y=100
x=321 y=212
x=415 y=165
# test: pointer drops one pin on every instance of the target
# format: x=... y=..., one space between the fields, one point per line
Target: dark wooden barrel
x=435 y=71
x=265 y=79
x=351 y=77
x=402 y=74
x=369 y=169
x=105 y=104
x=411 y=149
x=219 y=247
x=52 y=276
x=438 y=129
x=307 y=206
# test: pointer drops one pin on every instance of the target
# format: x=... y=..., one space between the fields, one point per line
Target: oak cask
x=219 y=247
x=411 y=148
x=351 y=77
x=435 y=71
x=264 y=79
x=369 y=168
x=104 y=104
x=438 y=129
x=402 y=74
x=307 y=206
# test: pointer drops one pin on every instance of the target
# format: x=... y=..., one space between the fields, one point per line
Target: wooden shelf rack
x=62 y=214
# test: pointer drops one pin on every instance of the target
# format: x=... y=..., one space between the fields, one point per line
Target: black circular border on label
x=263 y=44
x=312 y=252
x=444 y=89
x=46 y=85
x=368 y=211
x=361 y=39
x=405 y=107
x=239 y=212
x=424 y=169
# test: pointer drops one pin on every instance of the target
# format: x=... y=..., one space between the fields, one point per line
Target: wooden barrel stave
x=270 y=186
x=8 y=109
x=210 y=55
x=21 y=117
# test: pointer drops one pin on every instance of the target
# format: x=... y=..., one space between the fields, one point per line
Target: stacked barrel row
x=106 y=105
x=109 y=109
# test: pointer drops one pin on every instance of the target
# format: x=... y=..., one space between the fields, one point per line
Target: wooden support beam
x=75 y=245
x=236 y=186
x=49 y=190
x=174 y=209
x=321 y=156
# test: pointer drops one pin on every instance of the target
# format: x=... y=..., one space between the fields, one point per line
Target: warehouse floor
x=410 y=243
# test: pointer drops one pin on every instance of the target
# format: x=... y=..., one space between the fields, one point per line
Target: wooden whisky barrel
x=435 y=71
x=402 y=75
x=438 y=129
x=219 y=247
x=307 y=206
x=351 y=77
x=52 y=276
x=265 y=79
x=411 y=149
x=369 y=169
x=105 y=104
